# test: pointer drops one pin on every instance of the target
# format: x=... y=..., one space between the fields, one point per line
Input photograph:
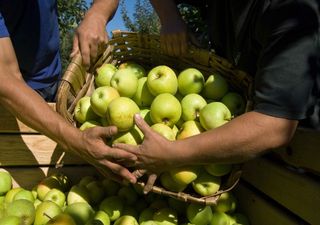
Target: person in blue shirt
x=30 y=69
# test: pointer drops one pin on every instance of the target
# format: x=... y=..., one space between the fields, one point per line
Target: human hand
x=109 y=161
x=90 y=38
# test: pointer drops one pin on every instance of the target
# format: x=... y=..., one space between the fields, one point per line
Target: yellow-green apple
x=235 y=103
x=89 y=124
x=199 y=214
x=36 y=203
x=45 y=211
x=104 y=74
x=5 y=182
x=113 y=206
x=143 y=96
x=215 y=87
x=126 y=220
x=206 y=184
x=86 y=180
x=46 y=185
x=10 y=220
x=128 y=194
x=110 y=187
x=168 y=183
x=24 y=194
x=96 y=192
x=61 y=219
x=191 y=105
x=214 y=115
x=133 y=137
x=240 y=218
x=184 y=175
x=11 y=193
x=220 y=218
x=227 y=203
x=162 y=79
x=81 y=212
x=120 y=113
x=190 y=80
x=146 y=215
x=188 y=129
x=175 y=130
x=125 y=81
x=218 y=169
x=166 y=109
x=83 y=110
x=101 y=97
x=56 y=196
x=100 y=218
x=166 y=216
x=164 y=130
x=22 y=208
x=137 y=69
x=78 y=193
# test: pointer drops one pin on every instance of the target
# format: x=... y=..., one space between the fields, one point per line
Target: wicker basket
x=145 y=50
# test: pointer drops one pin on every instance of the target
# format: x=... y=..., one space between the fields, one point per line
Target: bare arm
x=31 y=109
x=91 y=34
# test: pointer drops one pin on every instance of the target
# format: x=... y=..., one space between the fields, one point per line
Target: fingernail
x=138 y=116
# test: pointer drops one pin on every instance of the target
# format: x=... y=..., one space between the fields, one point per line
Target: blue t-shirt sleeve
x=3 y=29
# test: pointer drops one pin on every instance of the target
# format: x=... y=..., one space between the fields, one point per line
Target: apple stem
x=47 y=215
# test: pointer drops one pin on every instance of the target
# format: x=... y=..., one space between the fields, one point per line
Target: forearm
x=243 y=138
x=166 y=10
x=104 y=9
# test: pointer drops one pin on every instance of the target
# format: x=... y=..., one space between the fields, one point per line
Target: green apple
x=24 y=194
x=126 y=220
x=133 y=137
x=141 y=204
x=96 y=192
x=81 y=212
x=120 y=113
x=162 y=79
x=101 y=97
x=100 y=218
x=146 y=215
x=46 y=211
x=215 y=87
x=64 y=181
x=110 y=187
x=36 y=203
x=104 y=121
x=159 y=204
x=214 y=115
x=227 y=203
x=113 y=206
x=83 y=110
x=11 y=193
x=5 y=182
x=10 y=220
x=143 y=96
x=89 y=124
x=235 y=103
x=175 y=130
x=130 y=210
x=168 y=183
x=241 y=218
x=46 y=185
x=164 y=130
x=86 y=180
x=206 y=184
x=191 y=105
x=185 y=175
x=149 y=222
x=166 y=216
x=104 y=74
x=125 y=81
x=78 y=193
x=22 y=208
x=199 y=214
x=145 y=114
x=137 y=69
x=61 y=219
x=220 y=218
x=218 y=169
x=165 y=109
x=178 y=205
x=56 y=196
x=190 y=80
x=128 y=194
x=188 y=129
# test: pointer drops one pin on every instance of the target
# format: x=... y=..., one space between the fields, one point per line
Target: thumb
x=75 y=46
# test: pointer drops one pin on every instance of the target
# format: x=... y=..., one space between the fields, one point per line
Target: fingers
x=75 y=46
x=150 y=182
x=174 y=44
x=141 y=123
x=121 y=171
x=139 y=173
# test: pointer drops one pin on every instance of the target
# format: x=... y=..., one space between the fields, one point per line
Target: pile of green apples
x=101 y=201
x=176 y=104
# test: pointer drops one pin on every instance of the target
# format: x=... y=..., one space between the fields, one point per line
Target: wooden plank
x=262 y=211
x=303 y=151
x=27 y=149
x=297 y=192
x=10 y=124
x=28 y=177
